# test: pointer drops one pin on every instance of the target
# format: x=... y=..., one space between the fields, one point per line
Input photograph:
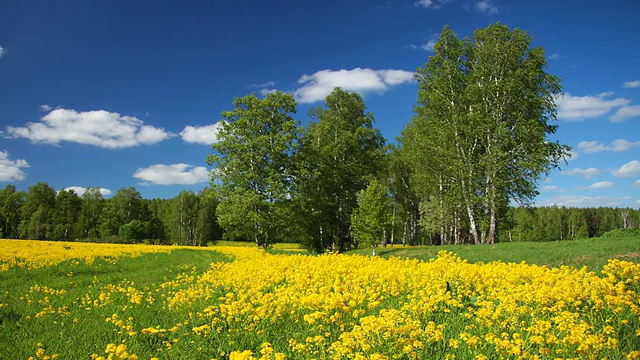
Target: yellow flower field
x=263 y=306
x=33 y=254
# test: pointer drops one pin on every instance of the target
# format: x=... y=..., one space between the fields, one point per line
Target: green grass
x=592 y=253
x=81 y=322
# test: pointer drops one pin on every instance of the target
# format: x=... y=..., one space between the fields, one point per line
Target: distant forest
x=43 y=213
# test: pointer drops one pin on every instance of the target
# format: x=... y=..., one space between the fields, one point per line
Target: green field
x=73 y=310
x=592 y=253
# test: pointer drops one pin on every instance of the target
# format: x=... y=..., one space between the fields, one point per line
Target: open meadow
x=70 y=300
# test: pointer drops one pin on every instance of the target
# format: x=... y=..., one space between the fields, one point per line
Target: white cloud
x=586 y=173
x=632 y=168
x=11 y=170
x=577 y=108
x=2 y=51
x=267 y=84
x=598 y=186
x=585 y=201
x=317 y=86
x=631 y=84
x=267 y=91
x=205 y=135
x=98 y=128
x=181 y=174
x=80 y=190
x=625 y=112
x=554 y=56
x=428 y=45
x=618 y=145
x=45 y=108
x=636 y=183
x=486 y=7
x=552 y=188
x=424 y=3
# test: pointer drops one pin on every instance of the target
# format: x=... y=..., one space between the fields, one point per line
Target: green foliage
x=253 y=167
x=66 y=215
x=340 y=152
x=372 y=217
x=37 y=212
x=11 y=202
x=479 y=137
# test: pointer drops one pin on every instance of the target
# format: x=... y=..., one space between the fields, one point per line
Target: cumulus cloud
x=598 y=186
x=317 y=86
x=618 y=145
x=98 y=128
x=486 y=7
x=176 y=174
x=205 y=135
x=80 y=190
x=636 y=183
x=625 y=112
x=585 y=173
x=2 y=51
x=585 y=201
x=632 y=168
x=578 y=108
x=631 y=84
x=11 y=170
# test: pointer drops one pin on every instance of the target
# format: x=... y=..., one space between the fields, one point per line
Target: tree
x=402 y=184
x=67 y=212
x=482 y=122
x=37 y=212
x=340 y=152
x=209 y=230
x=372 y=217
x=253 y=167
x=10 y=203
x=120 y=209
x=134 y=231
x=89 y=218
x=184 y=218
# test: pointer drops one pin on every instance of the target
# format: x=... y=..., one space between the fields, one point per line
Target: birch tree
x=483 y=121
x=340 y=151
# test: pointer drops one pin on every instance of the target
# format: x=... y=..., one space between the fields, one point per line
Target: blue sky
x=127 y=93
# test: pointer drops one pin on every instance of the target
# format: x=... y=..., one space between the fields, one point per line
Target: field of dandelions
x=97 y=301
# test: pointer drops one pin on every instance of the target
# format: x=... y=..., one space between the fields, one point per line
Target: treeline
x=190 y=219
x=561 y=223
x=42 y=213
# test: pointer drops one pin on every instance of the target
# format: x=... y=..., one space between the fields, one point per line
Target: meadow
x=100 y=301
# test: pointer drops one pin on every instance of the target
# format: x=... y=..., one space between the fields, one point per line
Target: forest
x=189 y=219
x=465 y=168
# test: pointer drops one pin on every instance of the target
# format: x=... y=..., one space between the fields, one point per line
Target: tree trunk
x=393 y=222
x=473 y=229
x=492 y=225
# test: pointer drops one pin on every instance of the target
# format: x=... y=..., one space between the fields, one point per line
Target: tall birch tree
x=483 y=121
